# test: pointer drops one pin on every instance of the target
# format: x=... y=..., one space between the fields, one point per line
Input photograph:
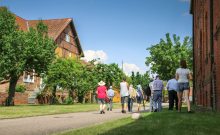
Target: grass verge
x=163 y=123
x=19 y=111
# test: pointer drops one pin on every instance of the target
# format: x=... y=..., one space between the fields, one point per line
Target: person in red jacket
x=102 y=95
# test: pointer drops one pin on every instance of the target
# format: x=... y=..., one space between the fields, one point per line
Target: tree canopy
x=165 y=56
x=22 y=51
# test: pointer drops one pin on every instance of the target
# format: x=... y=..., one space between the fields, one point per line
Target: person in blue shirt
x=110 y=94
x=172 y=86
x=157 y=94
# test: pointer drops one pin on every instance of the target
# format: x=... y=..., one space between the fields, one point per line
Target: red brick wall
x=216 y=33
x=202 y=53
x=20 y=98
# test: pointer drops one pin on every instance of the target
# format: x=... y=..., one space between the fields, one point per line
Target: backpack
x=147 y=91
x=139 y=93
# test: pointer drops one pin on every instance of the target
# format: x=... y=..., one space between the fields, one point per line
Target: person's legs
x=129 y=104
x=187 y=99
x=176 y=100
x=151 y=103
x=126 y=102
x=159 y=101
x=122 y=104
x=179 y=94
x=100 y=108
x=170 y=100
x=103 y=108
x=155 y=98
x=111 y=103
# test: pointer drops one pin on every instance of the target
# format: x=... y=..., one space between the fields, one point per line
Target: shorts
x=183 y=86
x=139 y=100
x=101 y=100
x=124 y=99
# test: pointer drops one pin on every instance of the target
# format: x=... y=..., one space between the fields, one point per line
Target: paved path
x=44 y=125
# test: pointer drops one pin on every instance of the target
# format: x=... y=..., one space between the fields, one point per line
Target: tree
x=22 y=51
x=165 y=56
x=111 y=74
x=63 y=73
x=138 y=78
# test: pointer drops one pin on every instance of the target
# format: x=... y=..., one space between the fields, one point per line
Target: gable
x=56 y=28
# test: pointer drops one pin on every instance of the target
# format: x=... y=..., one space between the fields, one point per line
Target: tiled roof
x=55 y=26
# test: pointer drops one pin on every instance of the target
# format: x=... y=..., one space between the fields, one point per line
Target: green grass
x=163 y=123
x=38 y=110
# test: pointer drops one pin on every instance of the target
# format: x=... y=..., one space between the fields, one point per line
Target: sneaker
x=190 y=111
x=100 y=112
x=155 y=110
x=103 y=112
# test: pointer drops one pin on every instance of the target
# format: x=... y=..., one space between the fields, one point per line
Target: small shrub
x=19 y=88
x=68 y=101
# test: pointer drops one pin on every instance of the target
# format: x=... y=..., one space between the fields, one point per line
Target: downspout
x=213 y=99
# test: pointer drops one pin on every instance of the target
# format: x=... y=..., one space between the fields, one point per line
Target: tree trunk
x=53 y=100
x=71 y=93
x=81 y=99
x=11 y=93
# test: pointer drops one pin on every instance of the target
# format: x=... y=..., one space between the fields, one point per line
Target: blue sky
x=114 y=30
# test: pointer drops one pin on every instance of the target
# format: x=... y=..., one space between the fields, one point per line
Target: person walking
x=139 y=96
x=150 y=94
x=183 y=75
x=131 y=98
x=102 y=95
x=124 y=94
x=110 y=94
x=172 y=86
x=157 y=94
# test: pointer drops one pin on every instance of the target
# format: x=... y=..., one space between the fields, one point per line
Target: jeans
x=130 y=104
x=110 y=104
x=151 y=103
x=157 y=100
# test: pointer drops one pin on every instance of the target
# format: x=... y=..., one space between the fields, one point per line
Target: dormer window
x=67 y=38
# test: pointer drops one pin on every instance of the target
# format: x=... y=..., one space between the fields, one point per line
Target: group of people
x=175 y=86
x=104 y=97
x=128 y=96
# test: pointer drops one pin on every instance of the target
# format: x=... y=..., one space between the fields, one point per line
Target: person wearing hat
x=101 y=93
x=110 y=94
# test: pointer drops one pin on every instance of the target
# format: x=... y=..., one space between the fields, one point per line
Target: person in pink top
x=102 y=94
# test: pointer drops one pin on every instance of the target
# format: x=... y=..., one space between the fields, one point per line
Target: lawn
x=163 y=123
x=38 y=110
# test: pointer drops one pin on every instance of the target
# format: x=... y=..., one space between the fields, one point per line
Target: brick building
x=63 y=32
x=206 y=49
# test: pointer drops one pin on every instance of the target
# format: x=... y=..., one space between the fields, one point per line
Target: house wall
x=216 y=42
x=206 y=90
x=67 y=49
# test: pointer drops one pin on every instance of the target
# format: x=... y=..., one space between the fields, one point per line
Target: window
x=67 y=38
x=70 y=54
x=28 y=77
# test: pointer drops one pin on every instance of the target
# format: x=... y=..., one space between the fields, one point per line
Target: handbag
x=107 y=100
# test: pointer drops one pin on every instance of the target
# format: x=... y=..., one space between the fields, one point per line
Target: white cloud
x=128 y=68
x=100 y=55
x=186 y=14
x=184 y=0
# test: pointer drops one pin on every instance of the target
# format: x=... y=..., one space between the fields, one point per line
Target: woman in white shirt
x=183 y=75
